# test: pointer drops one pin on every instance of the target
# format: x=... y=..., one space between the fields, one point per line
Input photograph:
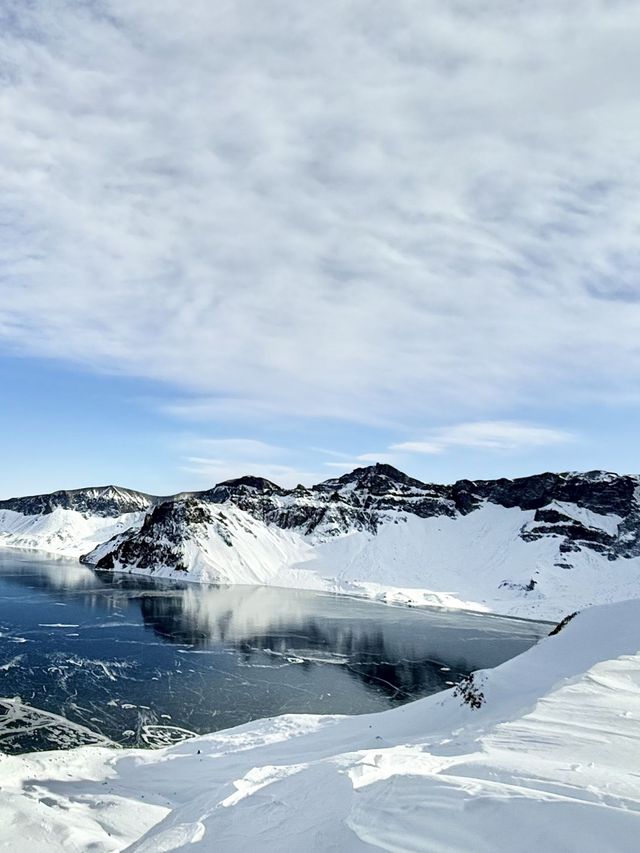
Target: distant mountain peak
x=373 y=477
x=258 y=484
x=92 y=500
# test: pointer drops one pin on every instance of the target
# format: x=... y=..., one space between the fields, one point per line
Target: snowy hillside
x=70 y=522
x=63 y=531
x=209 y=543
x=538 y=546
x=548 y=762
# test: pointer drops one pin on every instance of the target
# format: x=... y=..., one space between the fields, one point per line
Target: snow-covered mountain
x=548 y=762
x=203 y=541
x=539 y=545
x=71 y=522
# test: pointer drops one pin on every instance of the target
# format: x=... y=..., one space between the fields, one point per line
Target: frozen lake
x=87 y=657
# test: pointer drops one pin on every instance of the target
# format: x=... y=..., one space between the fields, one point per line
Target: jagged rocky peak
x=247 y=485
x=596 y=510
x=376 y=479
x=105 y=501
x=158 y=541
x=381 y=488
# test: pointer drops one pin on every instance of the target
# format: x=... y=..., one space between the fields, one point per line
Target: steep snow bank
x=549 y=762
x=478 y=561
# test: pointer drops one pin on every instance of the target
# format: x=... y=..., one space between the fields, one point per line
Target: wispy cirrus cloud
x=338 y=210
x=365 y=459
x=249 y=448
x=212 y=460
x=487 y=435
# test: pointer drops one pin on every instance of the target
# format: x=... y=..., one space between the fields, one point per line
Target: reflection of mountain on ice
x=46 y=571
x=301 y=622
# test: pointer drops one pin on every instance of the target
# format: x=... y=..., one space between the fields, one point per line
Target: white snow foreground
x=549 y=762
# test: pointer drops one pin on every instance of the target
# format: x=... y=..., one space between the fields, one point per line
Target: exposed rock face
x=597 y=491
x=103 y=501
x=567 y=506
x=379 y=488
x=355 y=501
x=159 y=540
x=305 y=510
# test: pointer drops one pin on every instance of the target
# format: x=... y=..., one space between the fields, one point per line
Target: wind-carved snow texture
x=539 y=546
x=549 y=761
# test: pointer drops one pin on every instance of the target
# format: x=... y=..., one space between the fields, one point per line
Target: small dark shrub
x=469 y=692
x=564 y=622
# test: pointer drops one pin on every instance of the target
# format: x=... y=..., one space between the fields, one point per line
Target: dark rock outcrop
x=104 y=501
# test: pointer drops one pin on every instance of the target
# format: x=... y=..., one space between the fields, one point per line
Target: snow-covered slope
x=549 y=762
x=64 y=531
x=480 y=561
x=70 y=523
x=209 y=543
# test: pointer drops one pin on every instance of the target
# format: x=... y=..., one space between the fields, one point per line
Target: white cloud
x=366 y=212
x=344 y=466
x=237 y=447
x=363 y=460
x=371 y=458
x=431 y=447
x=211 y=471
x=487 y=435
x=214 y=460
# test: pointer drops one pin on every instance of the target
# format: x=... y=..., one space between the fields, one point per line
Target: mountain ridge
x=371 y=476
x=511 y=545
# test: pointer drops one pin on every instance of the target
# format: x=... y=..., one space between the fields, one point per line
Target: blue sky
x=62 y=428
x=292 y=238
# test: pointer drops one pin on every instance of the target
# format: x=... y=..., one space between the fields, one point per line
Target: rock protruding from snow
x=213 y=543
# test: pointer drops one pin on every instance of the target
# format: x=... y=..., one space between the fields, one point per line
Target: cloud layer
x=214 y=460
x=486 y=435
x=371 y=211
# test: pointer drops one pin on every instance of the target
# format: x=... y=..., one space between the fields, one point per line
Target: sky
x=289 y=239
